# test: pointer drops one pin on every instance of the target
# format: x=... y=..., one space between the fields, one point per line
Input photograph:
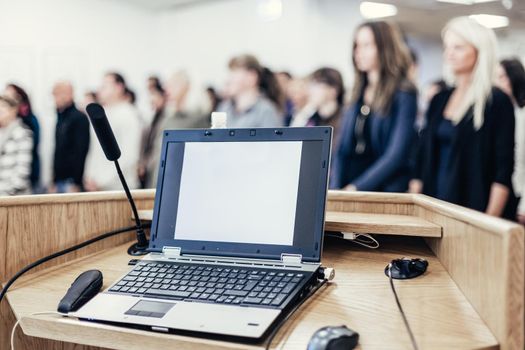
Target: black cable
x=60 y=253
x=141 y=235
x=274 y=332
x=412 y=338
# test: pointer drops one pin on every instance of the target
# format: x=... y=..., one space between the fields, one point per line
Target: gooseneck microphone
x=109 y=145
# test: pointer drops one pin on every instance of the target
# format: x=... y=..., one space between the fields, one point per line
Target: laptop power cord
x=324 y=275
x=401 y=311
x=363 y=239
x=64 y=252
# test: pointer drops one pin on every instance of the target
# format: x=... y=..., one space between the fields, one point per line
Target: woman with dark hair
x=326 y=95
x=25 y=113
x=377 y=132
x=255 y=99
x=511 y=79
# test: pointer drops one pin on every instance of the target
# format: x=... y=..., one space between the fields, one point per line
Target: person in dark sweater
x=377 y=131
x=25 y=112
x=152 y=135
x=71 y=141
x=466 y=151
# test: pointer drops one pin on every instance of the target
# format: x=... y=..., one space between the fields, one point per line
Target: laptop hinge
x=171 y=252
x=291 y=258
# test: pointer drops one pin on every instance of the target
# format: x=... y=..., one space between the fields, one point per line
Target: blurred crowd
x=460 y=139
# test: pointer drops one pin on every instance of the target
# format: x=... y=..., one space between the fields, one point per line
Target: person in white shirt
x=302 y=108
x=511 y=79
x=127 y=126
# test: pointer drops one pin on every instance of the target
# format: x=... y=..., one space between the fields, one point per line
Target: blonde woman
x=466 y=152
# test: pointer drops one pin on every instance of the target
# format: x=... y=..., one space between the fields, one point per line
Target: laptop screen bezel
x=312 y=253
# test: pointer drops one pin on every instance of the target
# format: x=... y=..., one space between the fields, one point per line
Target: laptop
x=236 y=235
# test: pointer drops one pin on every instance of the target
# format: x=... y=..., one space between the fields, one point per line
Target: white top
x=301 y=117
x=127 y=126
x=518 y=178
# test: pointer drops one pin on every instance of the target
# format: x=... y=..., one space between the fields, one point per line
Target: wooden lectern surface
x=359 y=297
x=385 y=224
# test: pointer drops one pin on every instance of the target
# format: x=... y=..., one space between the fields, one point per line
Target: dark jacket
x=478 y=158
x=71 y=145
x=391 y=139
x=32 y=122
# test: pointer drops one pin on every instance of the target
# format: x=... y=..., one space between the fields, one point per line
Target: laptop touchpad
x=150 y=309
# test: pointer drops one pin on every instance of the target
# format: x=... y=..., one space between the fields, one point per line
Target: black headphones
x=406 y=268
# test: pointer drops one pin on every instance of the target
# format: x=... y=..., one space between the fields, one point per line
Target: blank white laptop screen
x=243 y=192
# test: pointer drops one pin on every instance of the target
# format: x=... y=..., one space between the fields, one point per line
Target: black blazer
x=478 y=158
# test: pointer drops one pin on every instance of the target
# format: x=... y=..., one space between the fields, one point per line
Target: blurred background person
x=376 y=137
x=16 y=150
x=213 y=97
x=511 y=79
x=255 y=97
x=71 y=141
x=152 y=134
x=153 y=83
x=326 y=96
x=89 y=97
x=433 y=89
x=284 y=79
x=177 y=116
x=131 y=97
x=25 y=112
x=298 y=91
x=126 y=124
x=468 y=143
x=429 y=92
x=413 y=71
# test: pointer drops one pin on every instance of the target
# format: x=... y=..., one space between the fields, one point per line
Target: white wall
x=511 y=44
x=309 y=34
x=79 y=40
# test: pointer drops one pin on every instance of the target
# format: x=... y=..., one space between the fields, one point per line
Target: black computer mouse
x=406 y=268
x=83 y=288
x=333 y=338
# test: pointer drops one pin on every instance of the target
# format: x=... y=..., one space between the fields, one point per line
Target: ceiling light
x=270 y=10
x=371 y=10
x=507 y=4
x=491 y=21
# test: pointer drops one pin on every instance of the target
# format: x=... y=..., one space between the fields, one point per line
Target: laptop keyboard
x=216 y=284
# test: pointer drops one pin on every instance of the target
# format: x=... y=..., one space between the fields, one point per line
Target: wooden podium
x=471 y=297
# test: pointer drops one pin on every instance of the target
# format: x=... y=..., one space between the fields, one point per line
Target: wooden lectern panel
x=484 y=256
x=32 y=227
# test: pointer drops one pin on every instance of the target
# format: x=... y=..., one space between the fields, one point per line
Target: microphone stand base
x=136 y=250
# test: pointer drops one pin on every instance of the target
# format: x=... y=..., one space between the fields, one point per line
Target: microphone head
x=103 y=130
